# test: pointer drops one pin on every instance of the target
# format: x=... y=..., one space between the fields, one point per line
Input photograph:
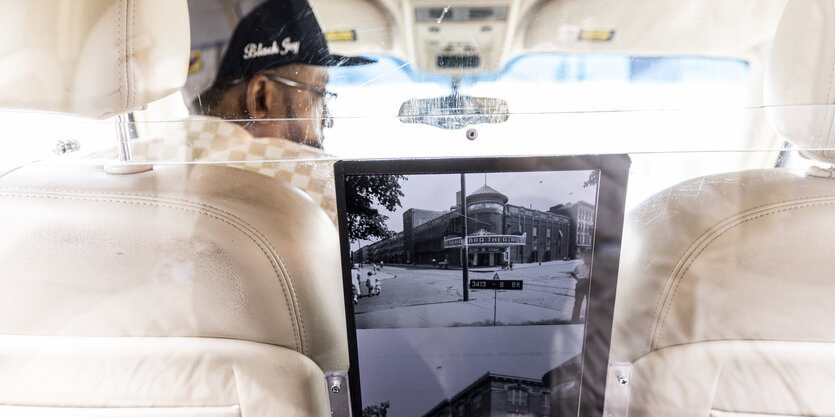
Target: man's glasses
x=327 y=120
x=321 y=92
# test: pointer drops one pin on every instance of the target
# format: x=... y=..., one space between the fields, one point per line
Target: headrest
x=800 y=80
x=94 y=58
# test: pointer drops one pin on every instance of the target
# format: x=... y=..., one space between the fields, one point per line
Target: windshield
x=558 y=104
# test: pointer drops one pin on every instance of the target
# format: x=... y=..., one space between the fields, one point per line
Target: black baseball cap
x=278 y=33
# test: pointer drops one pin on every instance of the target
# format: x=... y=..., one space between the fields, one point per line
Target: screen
x=469 y=291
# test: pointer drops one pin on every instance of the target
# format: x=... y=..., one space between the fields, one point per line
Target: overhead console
x=435 y=36
x=460 y=39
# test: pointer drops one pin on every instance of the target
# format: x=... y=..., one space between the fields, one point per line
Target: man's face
x=291 y=112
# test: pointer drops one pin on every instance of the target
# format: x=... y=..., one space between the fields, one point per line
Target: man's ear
x=261 y=97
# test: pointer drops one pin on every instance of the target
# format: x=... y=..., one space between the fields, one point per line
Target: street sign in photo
x=495 y=284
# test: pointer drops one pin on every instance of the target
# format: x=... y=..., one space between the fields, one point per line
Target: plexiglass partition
x=719 y=204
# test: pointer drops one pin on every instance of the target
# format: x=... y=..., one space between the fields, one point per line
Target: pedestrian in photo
x=581 y=285
x=355 y=284
x=368 y=284
x=378 y=287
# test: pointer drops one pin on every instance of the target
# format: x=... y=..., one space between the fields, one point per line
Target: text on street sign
x=492 y=284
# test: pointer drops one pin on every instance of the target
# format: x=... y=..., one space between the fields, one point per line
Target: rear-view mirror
x=454 y=111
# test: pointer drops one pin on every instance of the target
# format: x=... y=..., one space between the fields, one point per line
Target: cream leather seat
x=180 y=291
x=724 y=303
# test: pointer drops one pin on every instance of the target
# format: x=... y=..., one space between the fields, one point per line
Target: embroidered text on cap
x=287 y=45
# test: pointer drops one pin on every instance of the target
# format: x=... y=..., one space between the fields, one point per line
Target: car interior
x=141 y=278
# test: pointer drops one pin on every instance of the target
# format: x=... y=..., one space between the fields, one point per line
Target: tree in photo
x=594 y=177
x=362 y=193
x=378 y=410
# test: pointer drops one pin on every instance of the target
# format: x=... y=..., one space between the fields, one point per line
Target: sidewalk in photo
x=381 y=275
x=476 y=312
x=498 y=268
x=478 y=269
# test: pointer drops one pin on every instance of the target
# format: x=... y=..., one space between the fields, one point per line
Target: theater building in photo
x=497 y=395
x=498 y=233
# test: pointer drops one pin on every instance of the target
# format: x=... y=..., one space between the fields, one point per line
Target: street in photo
x=478 y=249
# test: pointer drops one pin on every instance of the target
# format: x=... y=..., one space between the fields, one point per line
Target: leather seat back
x=183 y=290
x=725 y=280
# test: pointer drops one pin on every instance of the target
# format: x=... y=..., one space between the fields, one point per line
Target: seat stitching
x=706 y=244
x=303 y=347
x=303 y=342
x=119 y=70
x=287 y=298
x=237 y=387
x=129 y=35
x=820 y=139
x=284 y=286
x=662 y=298
x=106 y=193
x=720 y=341
x=659 y=305
x=691 y=259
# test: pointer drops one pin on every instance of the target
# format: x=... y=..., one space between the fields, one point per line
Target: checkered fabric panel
x=208 y=139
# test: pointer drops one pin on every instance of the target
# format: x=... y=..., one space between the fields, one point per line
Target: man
x=272 y=77
x=266 y=107
x=581 y=285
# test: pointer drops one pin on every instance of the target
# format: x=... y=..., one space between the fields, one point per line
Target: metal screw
x=336 y=385
x=622 y=380
x=472 y=134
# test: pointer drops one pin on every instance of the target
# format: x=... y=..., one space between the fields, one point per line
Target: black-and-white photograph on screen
x=467 y=283
x=477 y=249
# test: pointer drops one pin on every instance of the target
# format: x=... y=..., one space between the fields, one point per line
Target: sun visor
x=651 y=27
x=355 y=27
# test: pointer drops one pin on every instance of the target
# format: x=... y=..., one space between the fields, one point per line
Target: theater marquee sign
x=486 y=241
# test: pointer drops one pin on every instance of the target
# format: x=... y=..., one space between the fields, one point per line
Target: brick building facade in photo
x=497 y=395
x=498 y=233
